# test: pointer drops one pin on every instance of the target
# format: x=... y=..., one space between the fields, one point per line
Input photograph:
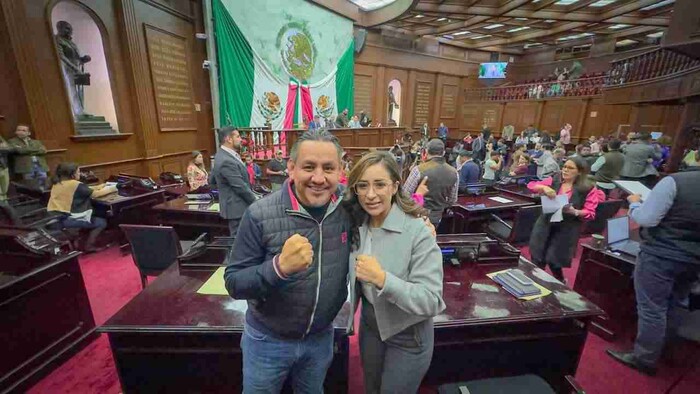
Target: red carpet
x=112 y=280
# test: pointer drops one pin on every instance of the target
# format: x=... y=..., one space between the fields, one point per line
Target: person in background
x=663 y=146
x=546 y=164
x=341 y=121
x=507 y=133
x=522 y=139
x=535 y=138
x=315 y=124
x=425 y=131
x=536 y=152
x=530 y=131
x=554 y=244
x=276 y=170
x=479 y=147
x=443 y=181
x=492 y=166
x=560 y=156
x=468 y=140
x=231 y=178
x=395 y=270
x=443 y=132
x=71 y=199
x=253 y=169
x=365 y=120
x=28 y=156
x=545 y=138
x=519 y=150
x=197 y=175
x=290 y=262
x=667 y=265
x=595 y=146
x=565 y=134
x=639 y=155
x=584 y=152
x=5 y=151
x=608 y=167
x=522 y=167
x=469 y=171
x=355 y=122
x=689 y=160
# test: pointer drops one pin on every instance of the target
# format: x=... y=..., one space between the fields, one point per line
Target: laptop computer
x=619 y=236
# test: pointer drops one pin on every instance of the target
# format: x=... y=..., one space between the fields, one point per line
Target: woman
x=522 y=140
x=521 y=168
x=71 y=199
x=197 y=175
x=554 y=243
x=398 y=268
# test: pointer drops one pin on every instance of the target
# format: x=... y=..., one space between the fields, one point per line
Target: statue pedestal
x=93 y=125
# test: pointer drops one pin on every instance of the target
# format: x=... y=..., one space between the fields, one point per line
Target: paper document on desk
x=214 y=207
x=544 y=291
x=634 y=187
x=215 y=284
x=555 y=207
x=500 y=199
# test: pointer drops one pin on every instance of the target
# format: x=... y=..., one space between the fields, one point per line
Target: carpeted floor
x=112 y=280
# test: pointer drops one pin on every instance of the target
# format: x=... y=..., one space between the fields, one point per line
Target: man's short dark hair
x=466 y=153
x=614 y=144
x=495 y=153
x=319 y=135
x=435 y=147
x=224 y=132
x=547 y=147
x=585 y=145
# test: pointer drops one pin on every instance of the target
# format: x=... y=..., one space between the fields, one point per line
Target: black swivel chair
x=606 y=210
x=517 y=231
x=522 y=384
x=154 y=248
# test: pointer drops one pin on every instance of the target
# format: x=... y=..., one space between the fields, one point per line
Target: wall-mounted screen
x=493 y=70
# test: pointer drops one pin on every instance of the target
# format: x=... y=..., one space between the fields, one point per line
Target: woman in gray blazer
x=396 y=271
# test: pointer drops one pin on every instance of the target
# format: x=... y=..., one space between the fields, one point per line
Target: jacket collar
x=394 y=221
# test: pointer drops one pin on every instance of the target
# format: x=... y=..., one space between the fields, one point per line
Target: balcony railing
x=649 y=65
x=589 y=86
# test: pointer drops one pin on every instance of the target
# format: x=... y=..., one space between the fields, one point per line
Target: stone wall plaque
x=172 y=83
x=448 y=102
x=421 y=106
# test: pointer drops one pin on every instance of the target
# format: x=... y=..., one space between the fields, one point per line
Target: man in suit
x=5 y=150
x=479 y=148
x=639 y=155
x=231 y=178
x=29 y=161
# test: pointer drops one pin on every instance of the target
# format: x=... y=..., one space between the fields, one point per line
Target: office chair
x=606 y=210
x=521 y=384
x=517 y=231
x=154 y=248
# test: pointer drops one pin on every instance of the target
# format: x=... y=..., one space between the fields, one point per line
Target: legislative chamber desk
x=190 y=220
x=520 y=191
x=470 y=212
x=170 y=339
x=45 y=314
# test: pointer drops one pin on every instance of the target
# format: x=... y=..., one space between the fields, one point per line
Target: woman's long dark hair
x=358 y=216
x=64 y=171
x=582 y=183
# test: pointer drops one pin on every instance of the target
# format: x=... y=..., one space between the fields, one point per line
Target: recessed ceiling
x=370 y=5
x=510 y=26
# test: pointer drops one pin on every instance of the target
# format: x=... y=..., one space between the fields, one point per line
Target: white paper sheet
x=634 y=187
x=500 y=199
x=555 y=207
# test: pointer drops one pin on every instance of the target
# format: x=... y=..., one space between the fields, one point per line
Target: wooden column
x=689 y=122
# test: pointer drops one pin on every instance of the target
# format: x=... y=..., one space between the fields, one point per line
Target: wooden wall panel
x=557 y=113
x=519 y=115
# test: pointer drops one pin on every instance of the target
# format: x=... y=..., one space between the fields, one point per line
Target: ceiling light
x=495 y=25
x=370 y=5
x=442 y=19
x=461 y=33
x=619 y=26
x=517 y=29
x=574 y=37
x=419 y=16
x=480 y=37
x=565 y=2
x=657 y=5
x=625 y=42
x=601 y=3
x=549 y=20
x=534 y=44
x=655 y=35
x=520 y=19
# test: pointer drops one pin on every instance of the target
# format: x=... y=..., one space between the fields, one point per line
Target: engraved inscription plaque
x=172 y=84
x=448 y=106
x=421 y=106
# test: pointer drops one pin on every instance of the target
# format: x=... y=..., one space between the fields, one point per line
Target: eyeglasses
x=362 y=188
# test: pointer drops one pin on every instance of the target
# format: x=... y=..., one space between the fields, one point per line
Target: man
x=595 y=145
x=546 y=164
x=443 y=131
x=668 y=264
x=508 y=132
x=5 y=150
x=342 y=119
x=639 y=155
x=608 y=167
x=355 y=122
x=479 y=148
x=443 y=181
x=469 y=171
x=530 y=130
x=231 y=177
x=315 y=124
x=584 y=152
x=276 y=171
x=492 y=166
x=365 y=120
x=28 y=159
x=290 y=261
x=565 y=134
x=253 y=169
x=560 y=156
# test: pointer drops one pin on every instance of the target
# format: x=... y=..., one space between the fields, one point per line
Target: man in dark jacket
x=608 y=167
x=29 y=156
x=231 y=178
x=667 y=265
x=290 y=261
x=5 y=150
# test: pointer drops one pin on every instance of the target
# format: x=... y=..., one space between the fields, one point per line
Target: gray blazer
x=636 y=163
x=231 y=179
x=413 y=263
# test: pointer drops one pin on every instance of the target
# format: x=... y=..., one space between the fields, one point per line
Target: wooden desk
x=485 y=332
x=127 y=202
x=45 y=315
x=606 y=279
x=520 y=191
x=470 y=211
x=190 y=220
x=170 y=339
x=34 y=189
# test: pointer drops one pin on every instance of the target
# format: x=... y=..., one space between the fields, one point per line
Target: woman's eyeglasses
x=362 y=188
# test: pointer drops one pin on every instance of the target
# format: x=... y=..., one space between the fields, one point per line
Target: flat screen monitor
x=655 y=135
x=618 y=229
x=493 y=70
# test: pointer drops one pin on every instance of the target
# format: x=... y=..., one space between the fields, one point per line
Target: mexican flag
x=253 y=93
